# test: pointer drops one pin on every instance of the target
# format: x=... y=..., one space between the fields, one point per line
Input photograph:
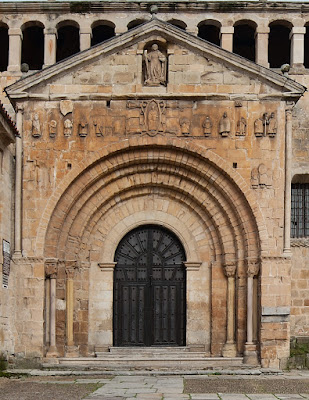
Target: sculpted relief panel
x=152 y=117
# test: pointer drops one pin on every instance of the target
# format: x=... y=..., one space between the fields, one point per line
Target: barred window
x=300 y=210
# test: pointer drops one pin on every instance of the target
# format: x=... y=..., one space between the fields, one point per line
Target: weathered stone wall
x=94 y=168
x=6 y=233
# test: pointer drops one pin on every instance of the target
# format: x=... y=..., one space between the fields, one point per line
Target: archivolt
x=172 y=168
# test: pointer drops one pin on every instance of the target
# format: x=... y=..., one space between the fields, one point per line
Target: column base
x=250 y=354
x=13 y=68
x=229 y=350
x=17 y=254
x=72 y=351
x=52 y=352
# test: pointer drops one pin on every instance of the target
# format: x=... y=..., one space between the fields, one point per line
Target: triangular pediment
x=194 y=68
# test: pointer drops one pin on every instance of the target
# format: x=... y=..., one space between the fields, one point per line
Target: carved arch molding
x=140 y=184
x=143 y=171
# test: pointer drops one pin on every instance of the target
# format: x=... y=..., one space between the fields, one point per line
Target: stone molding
x=107 y=266
x=192 y=265
x=300 y=242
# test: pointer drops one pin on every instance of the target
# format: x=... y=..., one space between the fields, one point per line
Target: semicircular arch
x=189 y=157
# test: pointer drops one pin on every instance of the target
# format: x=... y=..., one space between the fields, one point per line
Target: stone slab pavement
x=140 y=385
x=174 y=388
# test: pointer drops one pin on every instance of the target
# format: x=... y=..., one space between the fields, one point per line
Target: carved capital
x=20 y=108
x=253 y=268
x=51 y=267
x=70 y=267
x=230 y=269
x=289 y=109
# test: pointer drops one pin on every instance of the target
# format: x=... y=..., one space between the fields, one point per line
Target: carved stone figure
x=224 y=125
x=152 y=112
x=68 y=126
x=52 y=128
x=36 y=127
x=98 y=129
x=263 y=177
x=185 y=126
x=254 y=178
x=83 y=129
x=272 y=126
x=155 y=67
x=241 y=127
x=258 y=127
x=260 y=177
x=207 y=126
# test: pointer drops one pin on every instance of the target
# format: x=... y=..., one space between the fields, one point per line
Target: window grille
x=300 y=210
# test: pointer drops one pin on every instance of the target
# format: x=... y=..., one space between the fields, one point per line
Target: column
x=85 y=38
x=226 y=35
x=297 y=37
x=261 y=46
x=193 y=286
x=18 y=182
x=50 y=46
x=71 y=350
x=103 y=297
x=51 y=269
x=15 y=40
x=288 y=178
x=229 y=349
x=250 y=353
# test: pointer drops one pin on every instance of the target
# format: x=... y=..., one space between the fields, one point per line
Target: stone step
x=153 y=349
x=164 y=362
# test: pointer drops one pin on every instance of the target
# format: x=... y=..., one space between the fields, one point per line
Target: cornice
x=106 y=6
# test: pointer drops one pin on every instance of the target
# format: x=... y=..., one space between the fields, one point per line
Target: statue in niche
x=52 y=128
x=272 y=125
x=68 y=126
x=241 y=127
x=83 y=129
x=224 y=125
x=259 y=127
x=155 y=67
x=207 y=126
x=185 y=126
x=36 y=126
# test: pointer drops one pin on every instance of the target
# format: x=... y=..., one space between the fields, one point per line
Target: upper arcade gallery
x=40 y=36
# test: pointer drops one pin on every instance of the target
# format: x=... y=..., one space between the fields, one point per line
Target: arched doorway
x=150 y=289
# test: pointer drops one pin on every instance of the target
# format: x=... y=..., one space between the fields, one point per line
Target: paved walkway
x=170 y=388
x=143 y=385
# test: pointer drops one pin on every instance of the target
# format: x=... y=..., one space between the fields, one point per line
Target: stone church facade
x=158 y=179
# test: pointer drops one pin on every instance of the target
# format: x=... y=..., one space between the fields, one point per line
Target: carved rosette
x=253 y=268
x=230 y=269
x=51 y=268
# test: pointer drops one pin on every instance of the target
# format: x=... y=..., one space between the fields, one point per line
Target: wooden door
x=149 y=289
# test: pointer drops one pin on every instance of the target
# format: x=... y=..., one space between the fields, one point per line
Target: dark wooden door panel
x=149 y=289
